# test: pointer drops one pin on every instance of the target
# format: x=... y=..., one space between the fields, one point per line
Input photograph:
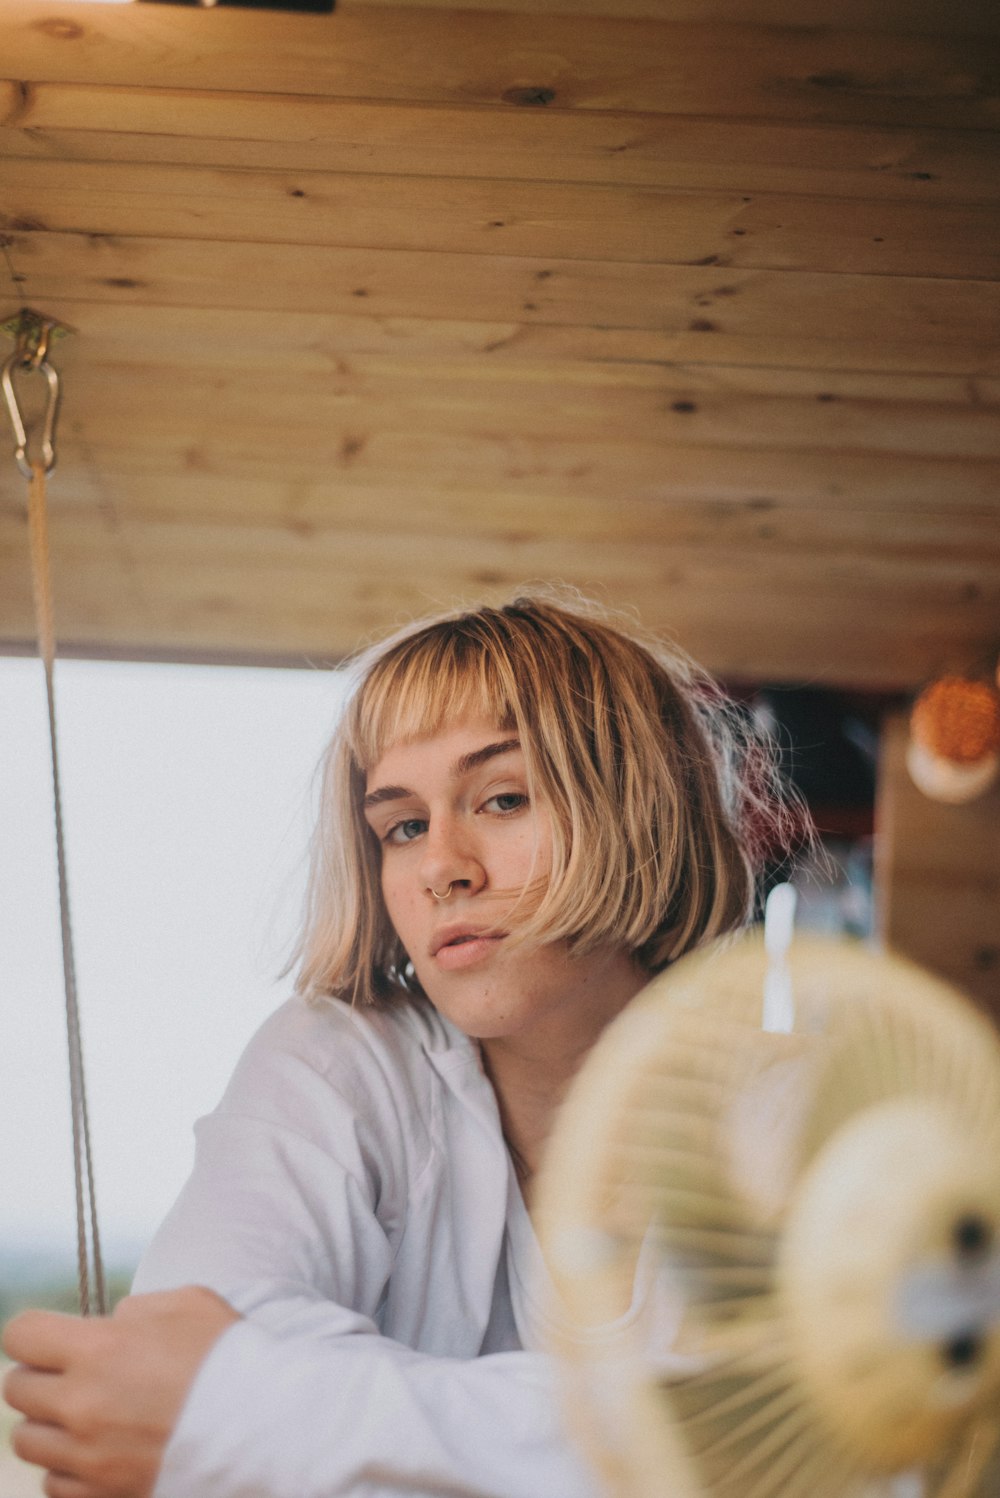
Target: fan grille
x=686 y=1142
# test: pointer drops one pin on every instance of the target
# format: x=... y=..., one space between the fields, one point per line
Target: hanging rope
x=31 y=354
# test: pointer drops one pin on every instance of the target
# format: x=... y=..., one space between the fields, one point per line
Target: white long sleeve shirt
x=354 y=1199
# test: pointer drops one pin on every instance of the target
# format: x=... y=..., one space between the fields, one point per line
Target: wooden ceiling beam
x=547 y=469
x=320 y=594
x=518 y=219
x=692 y=304
x=317 y=341
x=93 y=486
x=522 y=290
x=668 y=410
x=537 y=60
x=94 y=122
x=935 y=17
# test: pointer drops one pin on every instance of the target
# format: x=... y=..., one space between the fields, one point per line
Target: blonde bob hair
x=660 y=792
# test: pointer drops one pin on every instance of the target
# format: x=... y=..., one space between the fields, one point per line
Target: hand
x=102 y=1395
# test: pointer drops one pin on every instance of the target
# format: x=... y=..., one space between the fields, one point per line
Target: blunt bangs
x=437 y=677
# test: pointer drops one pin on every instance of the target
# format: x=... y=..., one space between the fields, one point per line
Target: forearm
x=328 y=1417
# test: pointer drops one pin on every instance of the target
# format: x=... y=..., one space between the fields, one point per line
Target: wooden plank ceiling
x=692 y=303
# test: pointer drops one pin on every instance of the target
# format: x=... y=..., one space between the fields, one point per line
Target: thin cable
x=93 y=1297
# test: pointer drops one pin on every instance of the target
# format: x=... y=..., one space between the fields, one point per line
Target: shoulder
x=334 y=1038
x=310 y=1064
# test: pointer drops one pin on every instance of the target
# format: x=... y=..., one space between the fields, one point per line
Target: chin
x=478 y=1016
x=504 y=997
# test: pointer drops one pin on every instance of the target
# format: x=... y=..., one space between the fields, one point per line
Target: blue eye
x=507 y=802
x=406 y=831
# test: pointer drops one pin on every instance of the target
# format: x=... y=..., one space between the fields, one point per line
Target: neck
x=532 y=1070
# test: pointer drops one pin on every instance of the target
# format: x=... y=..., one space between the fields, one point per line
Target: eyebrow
x=462 y=766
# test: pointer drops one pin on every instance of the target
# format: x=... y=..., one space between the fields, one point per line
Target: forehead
x=454 y=751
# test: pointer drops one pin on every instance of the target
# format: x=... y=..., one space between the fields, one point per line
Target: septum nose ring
x=446 y=894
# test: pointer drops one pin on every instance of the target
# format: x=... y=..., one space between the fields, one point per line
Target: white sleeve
x=361 y=1417
x=293 y=1215
x=300 y=1179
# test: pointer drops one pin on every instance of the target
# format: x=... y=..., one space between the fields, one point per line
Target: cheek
x=398 y=899
x=389 y=896
x=538 y=849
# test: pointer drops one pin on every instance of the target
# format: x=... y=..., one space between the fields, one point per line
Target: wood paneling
x=286 y=344
x=304 y=501
x=444 y=286
x=570 y=474
x=970 y=18
x=940 y=876
x=464 y=56
x=693 y=303
x=317 y=590
x=952 y=424
x=518 y=219
x=84 y=122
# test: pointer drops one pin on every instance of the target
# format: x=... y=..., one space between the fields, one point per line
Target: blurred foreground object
x=775 y=1255
x=954 y=754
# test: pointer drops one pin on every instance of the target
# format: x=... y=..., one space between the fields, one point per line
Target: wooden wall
x=938 y=872
x=692 y=303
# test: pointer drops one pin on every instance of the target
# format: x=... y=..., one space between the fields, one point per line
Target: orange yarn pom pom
x=957 y=719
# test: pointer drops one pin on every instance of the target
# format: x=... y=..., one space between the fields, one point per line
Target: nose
x=450 y=859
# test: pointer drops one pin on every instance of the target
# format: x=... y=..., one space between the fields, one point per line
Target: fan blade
x=816 y=1213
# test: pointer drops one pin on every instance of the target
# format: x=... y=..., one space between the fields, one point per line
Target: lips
x=467 y=952
x=450 y=937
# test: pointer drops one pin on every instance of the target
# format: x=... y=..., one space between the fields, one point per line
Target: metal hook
x=16 y=420
x=33 y=333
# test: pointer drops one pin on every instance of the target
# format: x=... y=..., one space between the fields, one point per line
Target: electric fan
x=775 y=1257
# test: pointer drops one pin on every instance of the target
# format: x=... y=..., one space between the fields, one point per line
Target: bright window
x=187 y=796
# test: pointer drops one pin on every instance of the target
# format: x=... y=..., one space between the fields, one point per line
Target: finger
x=61 y=1485
x=48 y=1446
x=44 y=1446
x=189 y=1298
x=45 y=1339
x=153 y=1305
x=34 y=1393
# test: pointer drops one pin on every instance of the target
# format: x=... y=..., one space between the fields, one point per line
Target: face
x=452 y=814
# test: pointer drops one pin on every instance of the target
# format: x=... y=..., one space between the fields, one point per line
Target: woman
x=526 y=813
